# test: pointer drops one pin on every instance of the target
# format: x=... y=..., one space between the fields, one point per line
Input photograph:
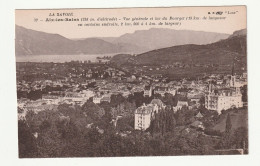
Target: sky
x=235 y=19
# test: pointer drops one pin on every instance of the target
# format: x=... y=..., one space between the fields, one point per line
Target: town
x=147 y=114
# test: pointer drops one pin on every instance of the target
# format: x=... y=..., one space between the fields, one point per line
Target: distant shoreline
x=60 y=58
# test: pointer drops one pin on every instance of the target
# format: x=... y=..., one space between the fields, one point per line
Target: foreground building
x=143 y=117
x=145 y=113
x=223 y=99
x=219 y=99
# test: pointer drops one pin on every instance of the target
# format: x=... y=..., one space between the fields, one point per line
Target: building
x=145 y=113
x=143 y=117
x=148 y=91
x=199 y=115
x=219 y=99
x=223 y=99
x=157 y=105
x=87 y=94
x=162 y=90
x=105 y=98
x=76 y=98
x=97 y=99
x=51 y=99
x=183 y=92
x=235 y=81
x=180 y=104
x=172 y=91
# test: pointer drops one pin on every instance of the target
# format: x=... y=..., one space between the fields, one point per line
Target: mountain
x=95 y=46
x=241 y=32
x=156 y=38
x=121 y=59
x=221 y=52
x=31 y=42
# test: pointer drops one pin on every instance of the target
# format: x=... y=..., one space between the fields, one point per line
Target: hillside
x=221 y=52
x=121 y=59
x=241 y=32
x=30 y=42
x=192 y=60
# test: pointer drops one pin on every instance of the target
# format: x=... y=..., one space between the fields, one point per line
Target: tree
x=162 y=122
x=155 y=124
x=168 y=99
x=26 y=141
x=93 y=110
x=170 y=120
x=139 y=99
x=240 y=138
x=180 y=117
x=116 y=100
x=228 y=124
x=225 y=141
x=202 y=100
x=244 y=93
x=34 y=95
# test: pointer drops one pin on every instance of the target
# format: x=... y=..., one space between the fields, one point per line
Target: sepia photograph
x=131 y=82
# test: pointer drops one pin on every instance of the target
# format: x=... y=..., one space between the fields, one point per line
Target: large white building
x=223 y=99
x=219 y=99
x=143 y=116
x=145 y=113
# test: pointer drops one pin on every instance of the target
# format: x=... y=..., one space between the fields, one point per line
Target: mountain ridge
x=220 y=52
x=155 y=38
x=32 y=42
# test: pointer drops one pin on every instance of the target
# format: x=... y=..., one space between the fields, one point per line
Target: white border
x=8 y=121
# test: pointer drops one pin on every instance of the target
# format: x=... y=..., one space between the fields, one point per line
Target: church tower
x=210 y=88
x=233 y=77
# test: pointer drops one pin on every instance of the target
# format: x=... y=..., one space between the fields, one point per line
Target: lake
x=60 y=58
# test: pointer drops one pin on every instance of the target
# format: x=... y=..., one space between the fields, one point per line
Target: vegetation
x=86 y=131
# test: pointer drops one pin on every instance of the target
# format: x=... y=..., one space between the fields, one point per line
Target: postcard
x=117 y=82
